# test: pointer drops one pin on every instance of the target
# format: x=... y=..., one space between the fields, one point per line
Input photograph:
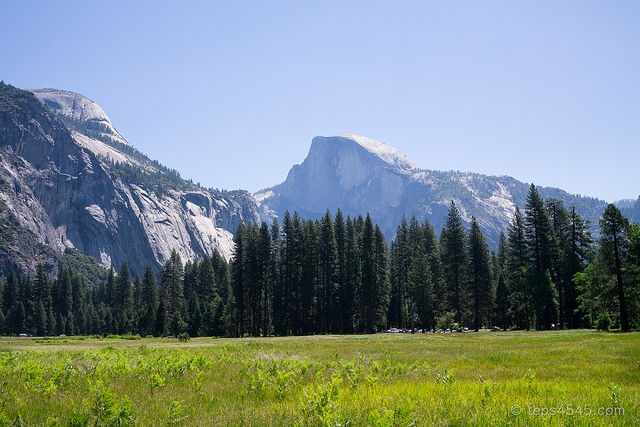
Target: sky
x=231 y=93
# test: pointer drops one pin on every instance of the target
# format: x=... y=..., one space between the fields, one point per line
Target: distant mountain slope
x=69 y=179
x=359 y=175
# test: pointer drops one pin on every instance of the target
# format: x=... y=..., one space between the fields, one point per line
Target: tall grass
x=576 y=378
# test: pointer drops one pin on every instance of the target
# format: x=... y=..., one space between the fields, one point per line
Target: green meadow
x=564 y=378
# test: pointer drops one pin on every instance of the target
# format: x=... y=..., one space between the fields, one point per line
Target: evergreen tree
x=161 y=319
x=382 y=285
x=515 y=272
x=266 y=260
x=290 y=273
x=479 y=274
x=18 y=318
x=109 y=290
x=350 y=293
x=542 y=250
x=207 y=280
x=499 y=263
x=238 y=281
x=42 y=287
x=614 y=244
x=64 y=291
x=171 y=284
x=561 y=227
x=399 y=275
x=190 y=281
x=2 y=322
x=454 y=261
x=307 y=289
x=328 y=259
x=340 y=233
x=149 y=301
x=149 y=287
x=374 y=298
x=577 y=253
x=221 y=274
x=11 y=292
x=196 y=318
x=421 y=291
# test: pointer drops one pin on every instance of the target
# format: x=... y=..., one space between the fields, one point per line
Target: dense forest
x=338 y=275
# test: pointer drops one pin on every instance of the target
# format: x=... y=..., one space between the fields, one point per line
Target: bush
x=604 y=322
x=446 y=321
x=184 y=337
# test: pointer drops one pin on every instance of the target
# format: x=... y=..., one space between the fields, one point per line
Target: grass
x=570 y=378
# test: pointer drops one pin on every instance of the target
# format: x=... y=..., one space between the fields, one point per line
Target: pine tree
x=577 y=253
x=307 y=289
x=382 y=285
x=109 y=292
x=479 y=274
x=64 y=291
x=614 y=244
x=2 y=322
x=161 y=319
x=374 y=297
x=340 y=232
x=515 y=272
x=207 y=280
x=149 y=297
x=238 y=280
x=17 y=318
x=421 y=291
x=350 y=294
x=11 y=292
x=149 y=287
x=542 y=250
x=42 y=287
x=123 y=303
x=328 y=259
x=191 y=282
x=266 y=262
x=561 y=227
x=196 y=318
x=171 y=284
x=399 y=272
x=454 y=261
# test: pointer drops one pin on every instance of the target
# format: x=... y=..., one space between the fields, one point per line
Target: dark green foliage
x=338 y=275
x=479 y=275
x=454 y=261
x=610 y=284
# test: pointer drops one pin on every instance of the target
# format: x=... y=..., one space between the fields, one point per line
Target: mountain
x=630 y=209
x=360 y=175
x=68 y=179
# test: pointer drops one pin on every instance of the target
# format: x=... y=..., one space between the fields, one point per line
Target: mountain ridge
x=334 y=175
x=68 y=179
x=67 y=188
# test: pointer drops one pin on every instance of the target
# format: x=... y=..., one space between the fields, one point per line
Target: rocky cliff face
x=359 y=175
x=70 y=189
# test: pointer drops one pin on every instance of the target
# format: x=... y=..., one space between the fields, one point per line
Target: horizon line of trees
x=339 y=276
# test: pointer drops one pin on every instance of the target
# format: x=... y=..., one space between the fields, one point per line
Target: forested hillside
x=338 y=275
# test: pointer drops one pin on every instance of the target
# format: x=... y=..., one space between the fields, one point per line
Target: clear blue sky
x=230 y=93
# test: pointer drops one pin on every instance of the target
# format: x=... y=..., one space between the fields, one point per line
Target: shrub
x=604 y=322
x=446 y=321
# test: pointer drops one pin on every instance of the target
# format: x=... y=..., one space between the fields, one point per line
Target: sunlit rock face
x=360 y=176
x=61 y=186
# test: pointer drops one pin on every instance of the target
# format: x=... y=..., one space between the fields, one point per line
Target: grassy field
x=568 y=378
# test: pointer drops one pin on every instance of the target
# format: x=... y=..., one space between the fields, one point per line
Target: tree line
x=337 y=275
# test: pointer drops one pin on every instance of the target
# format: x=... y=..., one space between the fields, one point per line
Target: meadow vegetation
x=571 y=378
